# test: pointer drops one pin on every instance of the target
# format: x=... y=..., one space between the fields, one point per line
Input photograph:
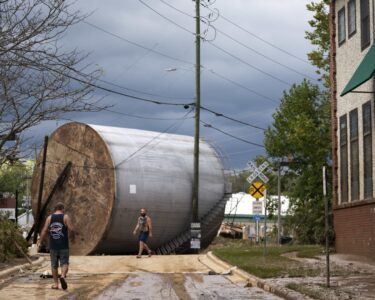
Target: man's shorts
x=59 y=255
x=143 y=236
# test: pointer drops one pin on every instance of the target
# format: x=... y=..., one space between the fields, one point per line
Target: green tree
x=13 y=177
x=319 y=37
x=300 y=132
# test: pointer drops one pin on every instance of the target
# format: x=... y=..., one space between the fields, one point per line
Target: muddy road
x=125 y=277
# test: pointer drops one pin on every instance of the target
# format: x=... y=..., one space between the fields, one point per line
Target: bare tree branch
x=36 y=75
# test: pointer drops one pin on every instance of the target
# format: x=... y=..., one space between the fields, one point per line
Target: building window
x=343 y=159
x=354 y=155
x=367 y=150
x=365 y=24
x=341 y=26
x=352 y=27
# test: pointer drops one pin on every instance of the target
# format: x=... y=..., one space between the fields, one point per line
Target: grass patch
x=251 y=259
x=310 y=252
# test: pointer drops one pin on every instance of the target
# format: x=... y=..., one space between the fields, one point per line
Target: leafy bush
x=10 y=234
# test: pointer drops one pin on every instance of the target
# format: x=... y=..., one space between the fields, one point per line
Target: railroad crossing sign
x=257 y=171
x=256 y=189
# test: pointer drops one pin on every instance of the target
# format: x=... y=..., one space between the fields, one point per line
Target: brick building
x=352 y=84
x=8 y=205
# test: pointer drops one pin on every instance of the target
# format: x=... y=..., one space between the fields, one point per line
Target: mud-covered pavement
x=125 y=277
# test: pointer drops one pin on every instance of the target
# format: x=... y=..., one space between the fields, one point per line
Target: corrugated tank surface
x=133 y=169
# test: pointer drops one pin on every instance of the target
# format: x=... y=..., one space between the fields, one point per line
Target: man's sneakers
x=63 y=283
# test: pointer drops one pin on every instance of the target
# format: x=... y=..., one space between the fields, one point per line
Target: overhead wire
x=259 y=38
x=166 y=18
x=150 y=100
x=264 y=56
x=249 y=64
x=142 y=92
x=185 y=105
x=239 y=42
x=101 y=87
x=240 y=85
x=137 y=44
x=232 y=119
x=141 y=117
x=178 y=59
x=219 y=48
x=207 y=125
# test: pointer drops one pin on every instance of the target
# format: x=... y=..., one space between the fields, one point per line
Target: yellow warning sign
x=256 y=189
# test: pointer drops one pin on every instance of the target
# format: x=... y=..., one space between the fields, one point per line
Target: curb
x=10 y=271
x=260 y=283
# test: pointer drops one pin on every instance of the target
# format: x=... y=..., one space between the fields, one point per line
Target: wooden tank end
x=89 y=191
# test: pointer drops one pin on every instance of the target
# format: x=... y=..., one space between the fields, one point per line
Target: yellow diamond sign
x=256 y=189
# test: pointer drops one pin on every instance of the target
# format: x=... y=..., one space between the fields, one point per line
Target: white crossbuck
x=257 y=171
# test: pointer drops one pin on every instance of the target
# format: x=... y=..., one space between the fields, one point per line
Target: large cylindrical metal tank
x=115 y=172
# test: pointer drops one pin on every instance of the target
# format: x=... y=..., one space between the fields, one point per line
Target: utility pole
x=195 y=198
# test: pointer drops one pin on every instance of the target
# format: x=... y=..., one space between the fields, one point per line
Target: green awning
x=364 y=72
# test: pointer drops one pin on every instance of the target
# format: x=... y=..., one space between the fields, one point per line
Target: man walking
x=59 y=227
x=144 y=226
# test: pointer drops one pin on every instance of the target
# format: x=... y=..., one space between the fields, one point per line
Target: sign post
x=258 y=190
x=257 y=211
x=265 y=223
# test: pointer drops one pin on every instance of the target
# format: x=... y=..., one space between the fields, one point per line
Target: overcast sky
x=253 y=84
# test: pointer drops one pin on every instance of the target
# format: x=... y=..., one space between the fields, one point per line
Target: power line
x=240 y=43
x=219 y=48
x=231 y=135
x=138 y=45
x=240 y=85
x=166 y=18
x=260 y=38
x=101 y=87
x=140 y=117
x=249 y=65
x=265 y=56
x=186 y=105
x=177 y=59
x=179 y=10
x=119 y=93
x=141 y=92
x=232 y=119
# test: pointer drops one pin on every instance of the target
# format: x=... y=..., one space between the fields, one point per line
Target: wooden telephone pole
x=195 y=199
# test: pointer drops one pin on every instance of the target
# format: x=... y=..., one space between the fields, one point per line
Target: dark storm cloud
x=281 y=22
